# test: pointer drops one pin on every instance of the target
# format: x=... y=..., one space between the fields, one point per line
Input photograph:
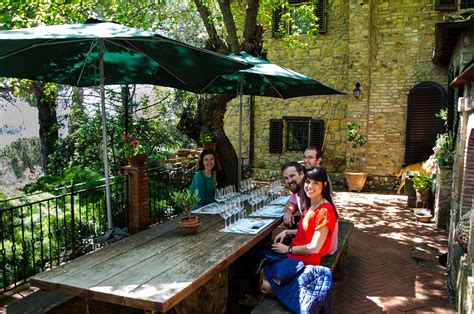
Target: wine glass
x=224 y=214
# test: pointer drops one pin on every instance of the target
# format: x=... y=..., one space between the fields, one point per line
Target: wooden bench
x=335 y=262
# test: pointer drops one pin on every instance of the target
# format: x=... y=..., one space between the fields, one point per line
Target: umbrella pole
x=239 y=168
x=104 y=134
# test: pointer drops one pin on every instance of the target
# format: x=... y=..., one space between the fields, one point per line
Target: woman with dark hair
x=315 y=231
x=312 y=240
x=204 y=180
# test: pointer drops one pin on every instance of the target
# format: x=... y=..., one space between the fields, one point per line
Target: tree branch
x=215 y=43
x=229 y=23
x=250 y=29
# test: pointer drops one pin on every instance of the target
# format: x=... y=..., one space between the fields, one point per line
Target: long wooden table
x=154 y=269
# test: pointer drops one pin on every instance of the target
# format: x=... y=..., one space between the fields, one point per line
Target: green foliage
x=445 y=146
x=207 y=138
x=421 y=183
x=357 y=138
x=185 y=199
x=69 y=176
x=131 y=145
x=22 y=154
x=443 y=115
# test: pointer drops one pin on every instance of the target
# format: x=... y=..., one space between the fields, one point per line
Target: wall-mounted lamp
x=356 y=90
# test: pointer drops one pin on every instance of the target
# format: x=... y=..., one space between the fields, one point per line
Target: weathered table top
x=154 y=269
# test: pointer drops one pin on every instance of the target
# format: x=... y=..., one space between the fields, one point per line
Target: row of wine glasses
x=225 y=193
x=257 y=199
x=229 y=209
x=247 y=185
x=275 y=187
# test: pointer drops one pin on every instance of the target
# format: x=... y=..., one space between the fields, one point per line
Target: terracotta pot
x=355 y=180
x=137 y=160
x=189 y=226
x=422 y=198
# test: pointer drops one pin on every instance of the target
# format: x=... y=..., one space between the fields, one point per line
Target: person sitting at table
x=204 y=180
x=292 y=173
x=313 y=238
x=316 y=228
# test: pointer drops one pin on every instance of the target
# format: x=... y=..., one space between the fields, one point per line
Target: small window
x=301 y=132
x=297 y=133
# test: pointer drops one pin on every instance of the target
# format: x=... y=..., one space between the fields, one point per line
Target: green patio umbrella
x=99 y=53
x=265 y=79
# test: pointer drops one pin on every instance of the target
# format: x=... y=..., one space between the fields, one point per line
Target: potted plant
x=134 y=151
x=422 y=185
x=208 y=141
x=355 y=177
x=444 y=148
x=187 y=200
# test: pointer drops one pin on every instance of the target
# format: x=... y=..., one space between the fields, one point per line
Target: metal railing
x=161 y=183
x=46 y=229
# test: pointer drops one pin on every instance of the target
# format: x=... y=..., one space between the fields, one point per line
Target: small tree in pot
x=355 y=177
x=187 y=200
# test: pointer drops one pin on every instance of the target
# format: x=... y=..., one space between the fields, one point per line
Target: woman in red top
x=315 y=231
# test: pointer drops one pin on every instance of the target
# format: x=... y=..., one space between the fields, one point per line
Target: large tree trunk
x=210 y=118
x=48 y=122
x=211 y=111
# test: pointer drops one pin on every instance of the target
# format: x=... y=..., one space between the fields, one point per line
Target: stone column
x=138 y=211
x=442 y=206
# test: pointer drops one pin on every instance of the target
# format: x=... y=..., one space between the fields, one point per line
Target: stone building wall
x=460 y=280
x=384 y=45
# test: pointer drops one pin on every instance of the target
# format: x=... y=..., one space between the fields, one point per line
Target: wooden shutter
x=424 y=102
x=276 y=135
x=446 y=5
x=320 y=12
x=317 y=133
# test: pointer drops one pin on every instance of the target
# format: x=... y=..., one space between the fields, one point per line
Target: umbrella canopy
x=99 y=53
x=70 y=53
x=268 y=79
x=265 y=79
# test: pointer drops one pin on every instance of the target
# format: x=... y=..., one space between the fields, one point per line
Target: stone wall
x=460 y=265
x=384 y=45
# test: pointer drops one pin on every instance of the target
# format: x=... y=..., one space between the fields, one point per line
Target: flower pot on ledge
x=355 y=180
x=137 y=160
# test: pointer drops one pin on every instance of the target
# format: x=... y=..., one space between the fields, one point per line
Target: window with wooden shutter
x=446 y=5
x=424 y=102
x=297 y=133
x=276 y=135
x=319 y=12
x=317 y=133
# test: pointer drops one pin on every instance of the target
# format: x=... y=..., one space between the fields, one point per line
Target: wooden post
x=138 y=210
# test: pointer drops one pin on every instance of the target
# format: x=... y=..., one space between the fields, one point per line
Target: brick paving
x=392 y=264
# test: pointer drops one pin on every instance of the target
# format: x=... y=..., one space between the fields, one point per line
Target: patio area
x=392 y=264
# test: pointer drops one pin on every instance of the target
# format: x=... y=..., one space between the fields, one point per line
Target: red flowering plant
x=131 y=147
